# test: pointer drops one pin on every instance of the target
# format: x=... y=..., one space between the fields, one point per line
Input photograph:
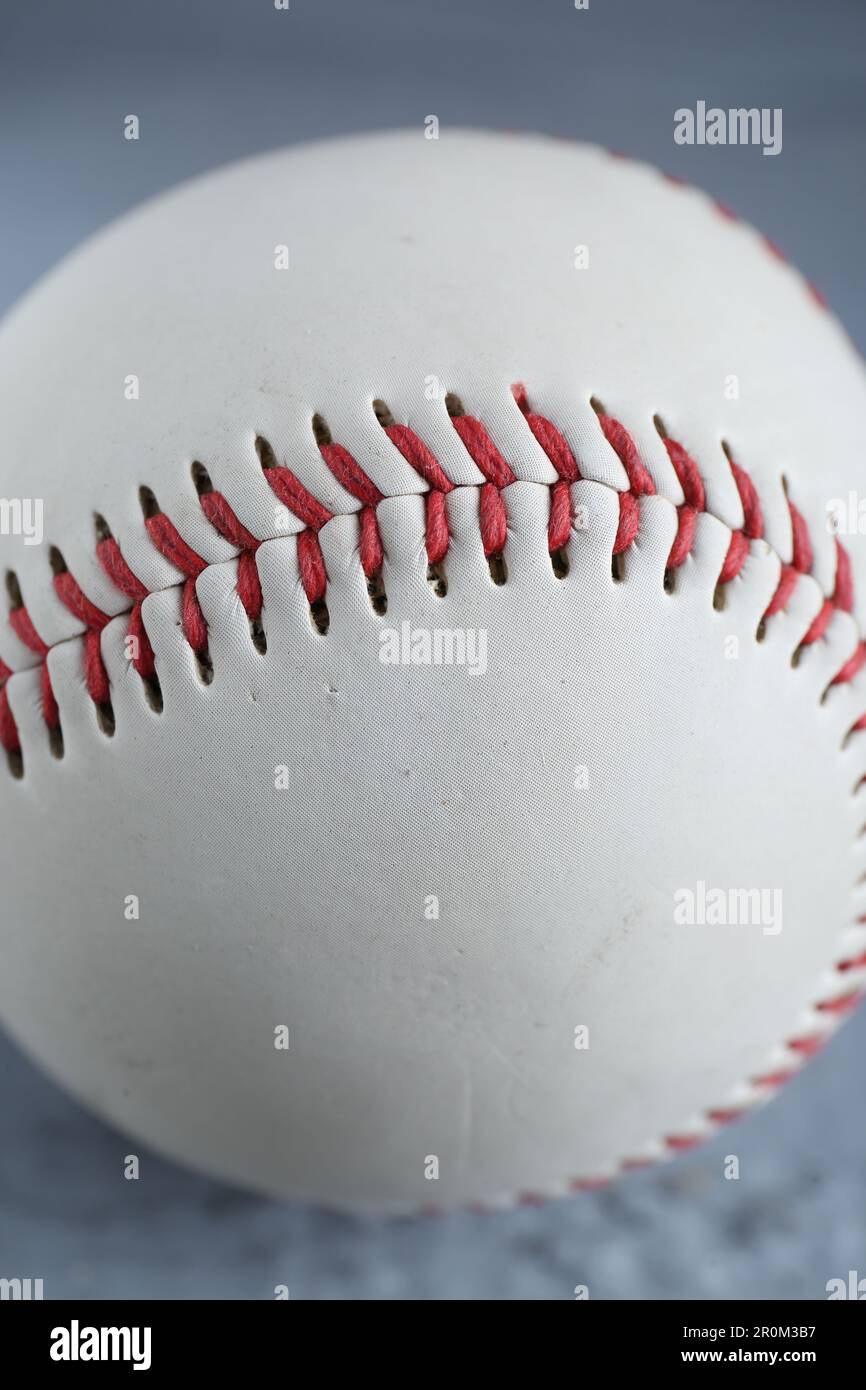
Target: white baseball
x=431 y=716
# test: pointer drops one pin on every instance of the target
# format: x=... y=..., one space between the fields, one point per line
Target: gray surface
x=214 y=81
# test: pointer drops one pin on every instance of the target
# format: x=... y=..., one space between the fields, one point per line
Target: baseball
x=431 y=676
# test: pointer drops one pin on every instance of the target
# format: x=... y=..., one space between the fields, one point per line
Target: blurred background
x=212 y=81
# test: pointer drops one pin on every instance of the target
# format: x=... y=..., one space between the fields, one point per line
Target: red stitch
x=493 y=520
x=50 y=711
x=249 y=585
x=351 y=475
x=297 y=498
x=144 y=661
x=370 y=543
x=681 y=1143
x=820 y=623
x=738 y=552
x=842 y=1005
x=785 y=588
x=231 y=528
x=729 y=1116
x=314 y=514
x=551 y=440
x=224 y=520
x=95 y=674
x=559 y=525
x=629 y=519
x=110 y=558
x=775 y=1078
x=115 y=567
x=807 y=1046
x=71 y=594
x=9 y=737
x=419 y=457
x=311 y=563
x=192 y=619
x=25 y=631
x=640 y=482
x=170 y=543
x=557 y=449
x=438 y=534
x=818 y=295
x=483 y=451
x=753 y=519
x=695 y=501
x=843 y=593
x=22 y=625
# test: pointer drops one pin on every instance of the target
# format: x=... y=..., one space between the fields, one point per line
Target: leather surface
x=305 y=907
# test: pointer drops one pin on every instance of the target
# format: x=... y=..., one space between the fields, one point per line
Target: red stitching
x=118 y=571
x=493 y=522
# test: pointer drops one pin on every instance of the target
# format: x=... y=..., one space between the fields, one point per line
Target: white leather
x=411 y=1037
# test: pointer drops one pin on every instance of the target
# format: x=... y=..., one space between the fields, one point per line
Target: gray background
x=213 y=80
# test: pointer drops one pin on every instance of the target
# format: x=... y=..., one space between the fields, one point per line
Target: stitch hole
x=617 y=568
x=437 y=580
x=320 y=617
x=378 y=597
x=56 y=561
x=660 y=427
x=498 y=569
x=720 y=598
x=559 y=563
x=382 y=414
x=147 y=502
x=13 y=589
x=761 y=631
x=321 y=433
x=15 y=763
x=200 y=478
x=454 y=405
x=204 y=667
x=669 y=581
x=101 y=528
x=267 y=457
x=55 y=742
x=258 y=636
x=105 y=718
x=796 y=654
x=153 y=693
